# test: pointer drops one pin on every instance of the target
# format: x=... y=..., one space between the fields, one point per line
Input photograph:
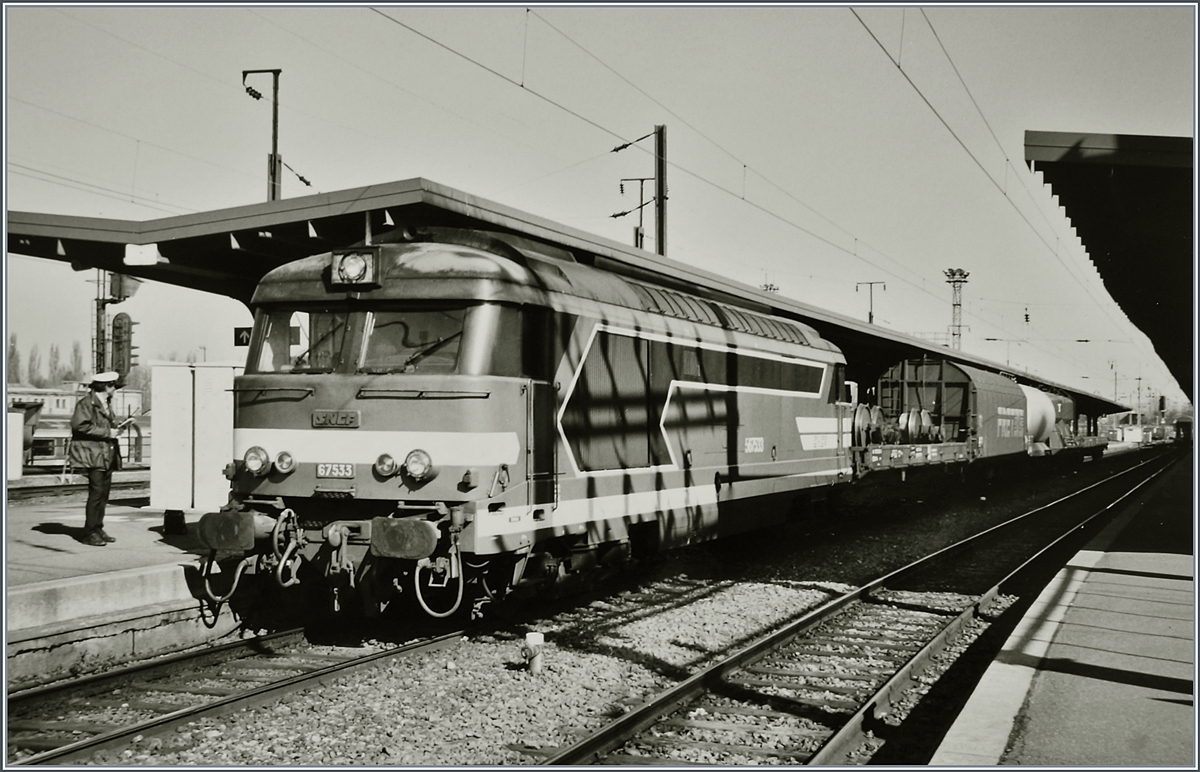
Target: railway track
x=859 y=654
x=60 y=490
x=71 y=721
x=820 y=690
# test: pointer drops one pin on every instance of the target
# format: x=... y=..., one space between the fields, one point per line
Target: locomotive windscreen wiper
x=296 y=362
x=427 y=348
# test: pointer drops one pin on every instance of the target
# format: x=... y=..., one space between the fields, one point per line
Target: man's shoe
x=94 y=539
x=104 y=535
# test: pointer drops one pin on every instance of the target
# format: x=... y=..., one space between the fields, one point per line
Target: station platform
x=53 y=579
x=1100 y=671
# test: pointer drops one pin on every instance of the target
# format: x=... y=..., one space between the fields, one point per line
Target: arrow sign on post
x=241 y=336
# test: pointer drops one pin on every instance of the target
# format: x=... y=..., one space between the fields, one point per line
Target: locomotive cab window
x=391 y=339
x=477 y=339
x=300 y=341
x=425 y=340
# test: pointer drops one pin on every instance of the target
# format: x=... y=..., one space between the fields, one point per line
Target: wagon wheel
x=861 y=426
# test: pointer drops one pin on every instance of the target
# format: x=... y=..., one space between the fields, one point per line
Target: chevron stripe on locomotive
x=464 y=413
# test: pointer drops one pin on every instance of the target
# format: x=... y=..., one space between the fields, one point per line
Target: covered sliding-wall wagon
x=934 y=410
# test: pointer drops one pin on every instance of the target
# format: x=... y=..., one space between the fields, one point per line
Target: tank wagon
x=452 y=413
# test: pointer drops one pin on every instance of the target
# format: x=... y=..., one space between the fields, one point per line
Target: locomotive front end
x=383 y=397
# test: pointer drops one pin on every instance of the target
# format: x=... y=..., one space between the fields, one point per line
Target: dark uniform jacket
x=92 y=446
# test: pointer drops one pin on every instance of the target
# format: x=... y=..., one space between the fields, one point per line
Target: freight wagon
x=452 y=413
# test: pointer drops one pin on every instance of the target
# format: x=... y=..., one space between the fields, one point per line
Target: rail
x=839 y=745
x=309 y=675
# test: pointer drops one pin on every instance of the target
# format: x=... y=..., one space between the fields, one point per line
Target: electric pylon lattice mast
x=956 y=277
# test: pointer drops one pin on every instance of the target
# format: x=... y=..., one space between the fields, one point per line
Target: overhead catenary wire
x=689 y=172
x=88 y=187
x=1001 y=188
x=761 y=208
x=126 y=135
x=375 y=74
x=672 y=164
x=1021 y=178
x=745 y=167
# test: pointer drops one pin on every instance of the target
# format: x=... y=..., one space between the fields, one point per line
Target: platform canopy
x=1131 y=201
x=227 y=251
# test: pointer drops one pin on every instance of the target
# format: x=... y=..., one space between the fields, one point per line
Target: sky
x=811 y=148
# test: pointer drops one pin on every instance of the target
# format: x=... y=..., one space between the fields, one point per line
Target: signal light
x=122 y=340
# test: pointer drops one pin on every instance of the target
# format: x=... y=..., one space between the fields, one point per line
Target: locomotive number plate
x=335 y=470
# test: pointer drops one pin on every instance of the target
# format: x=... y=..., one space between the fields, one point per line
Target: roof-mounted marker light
x=359 y=266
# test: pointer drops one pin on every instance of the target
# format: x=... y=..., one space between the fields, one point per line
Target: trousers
x=99 y=483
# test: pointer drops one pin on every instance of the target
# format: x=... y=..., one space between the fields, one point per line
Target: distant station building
x=47 y=415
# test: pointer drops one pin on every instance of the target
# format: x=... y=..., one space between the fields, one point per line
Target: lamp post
x=956 y=277
x=274 y=162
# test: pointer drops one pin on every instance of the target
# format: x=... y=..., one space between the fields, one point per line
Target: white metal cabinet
x=193 y=435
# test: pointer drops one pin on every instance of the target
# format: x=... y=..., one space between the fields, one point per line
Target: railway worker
x=94 y=451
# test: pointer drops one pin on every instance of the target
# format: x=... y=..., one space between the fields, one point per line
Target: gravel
x=475 y=703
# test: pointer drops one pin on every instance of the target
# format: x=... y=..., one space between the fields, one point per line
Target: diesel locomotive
x=452 y=413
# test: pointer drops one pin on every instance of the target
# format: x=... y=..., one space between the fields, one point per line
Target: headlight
x=285 y=462
x=353 y=268
x=257 y=461
x=386 y=466
x=418 y=465
x=356 y=266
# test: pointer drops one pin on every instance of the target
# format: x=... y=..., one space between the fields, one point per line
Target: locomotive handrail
x=423 y=393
